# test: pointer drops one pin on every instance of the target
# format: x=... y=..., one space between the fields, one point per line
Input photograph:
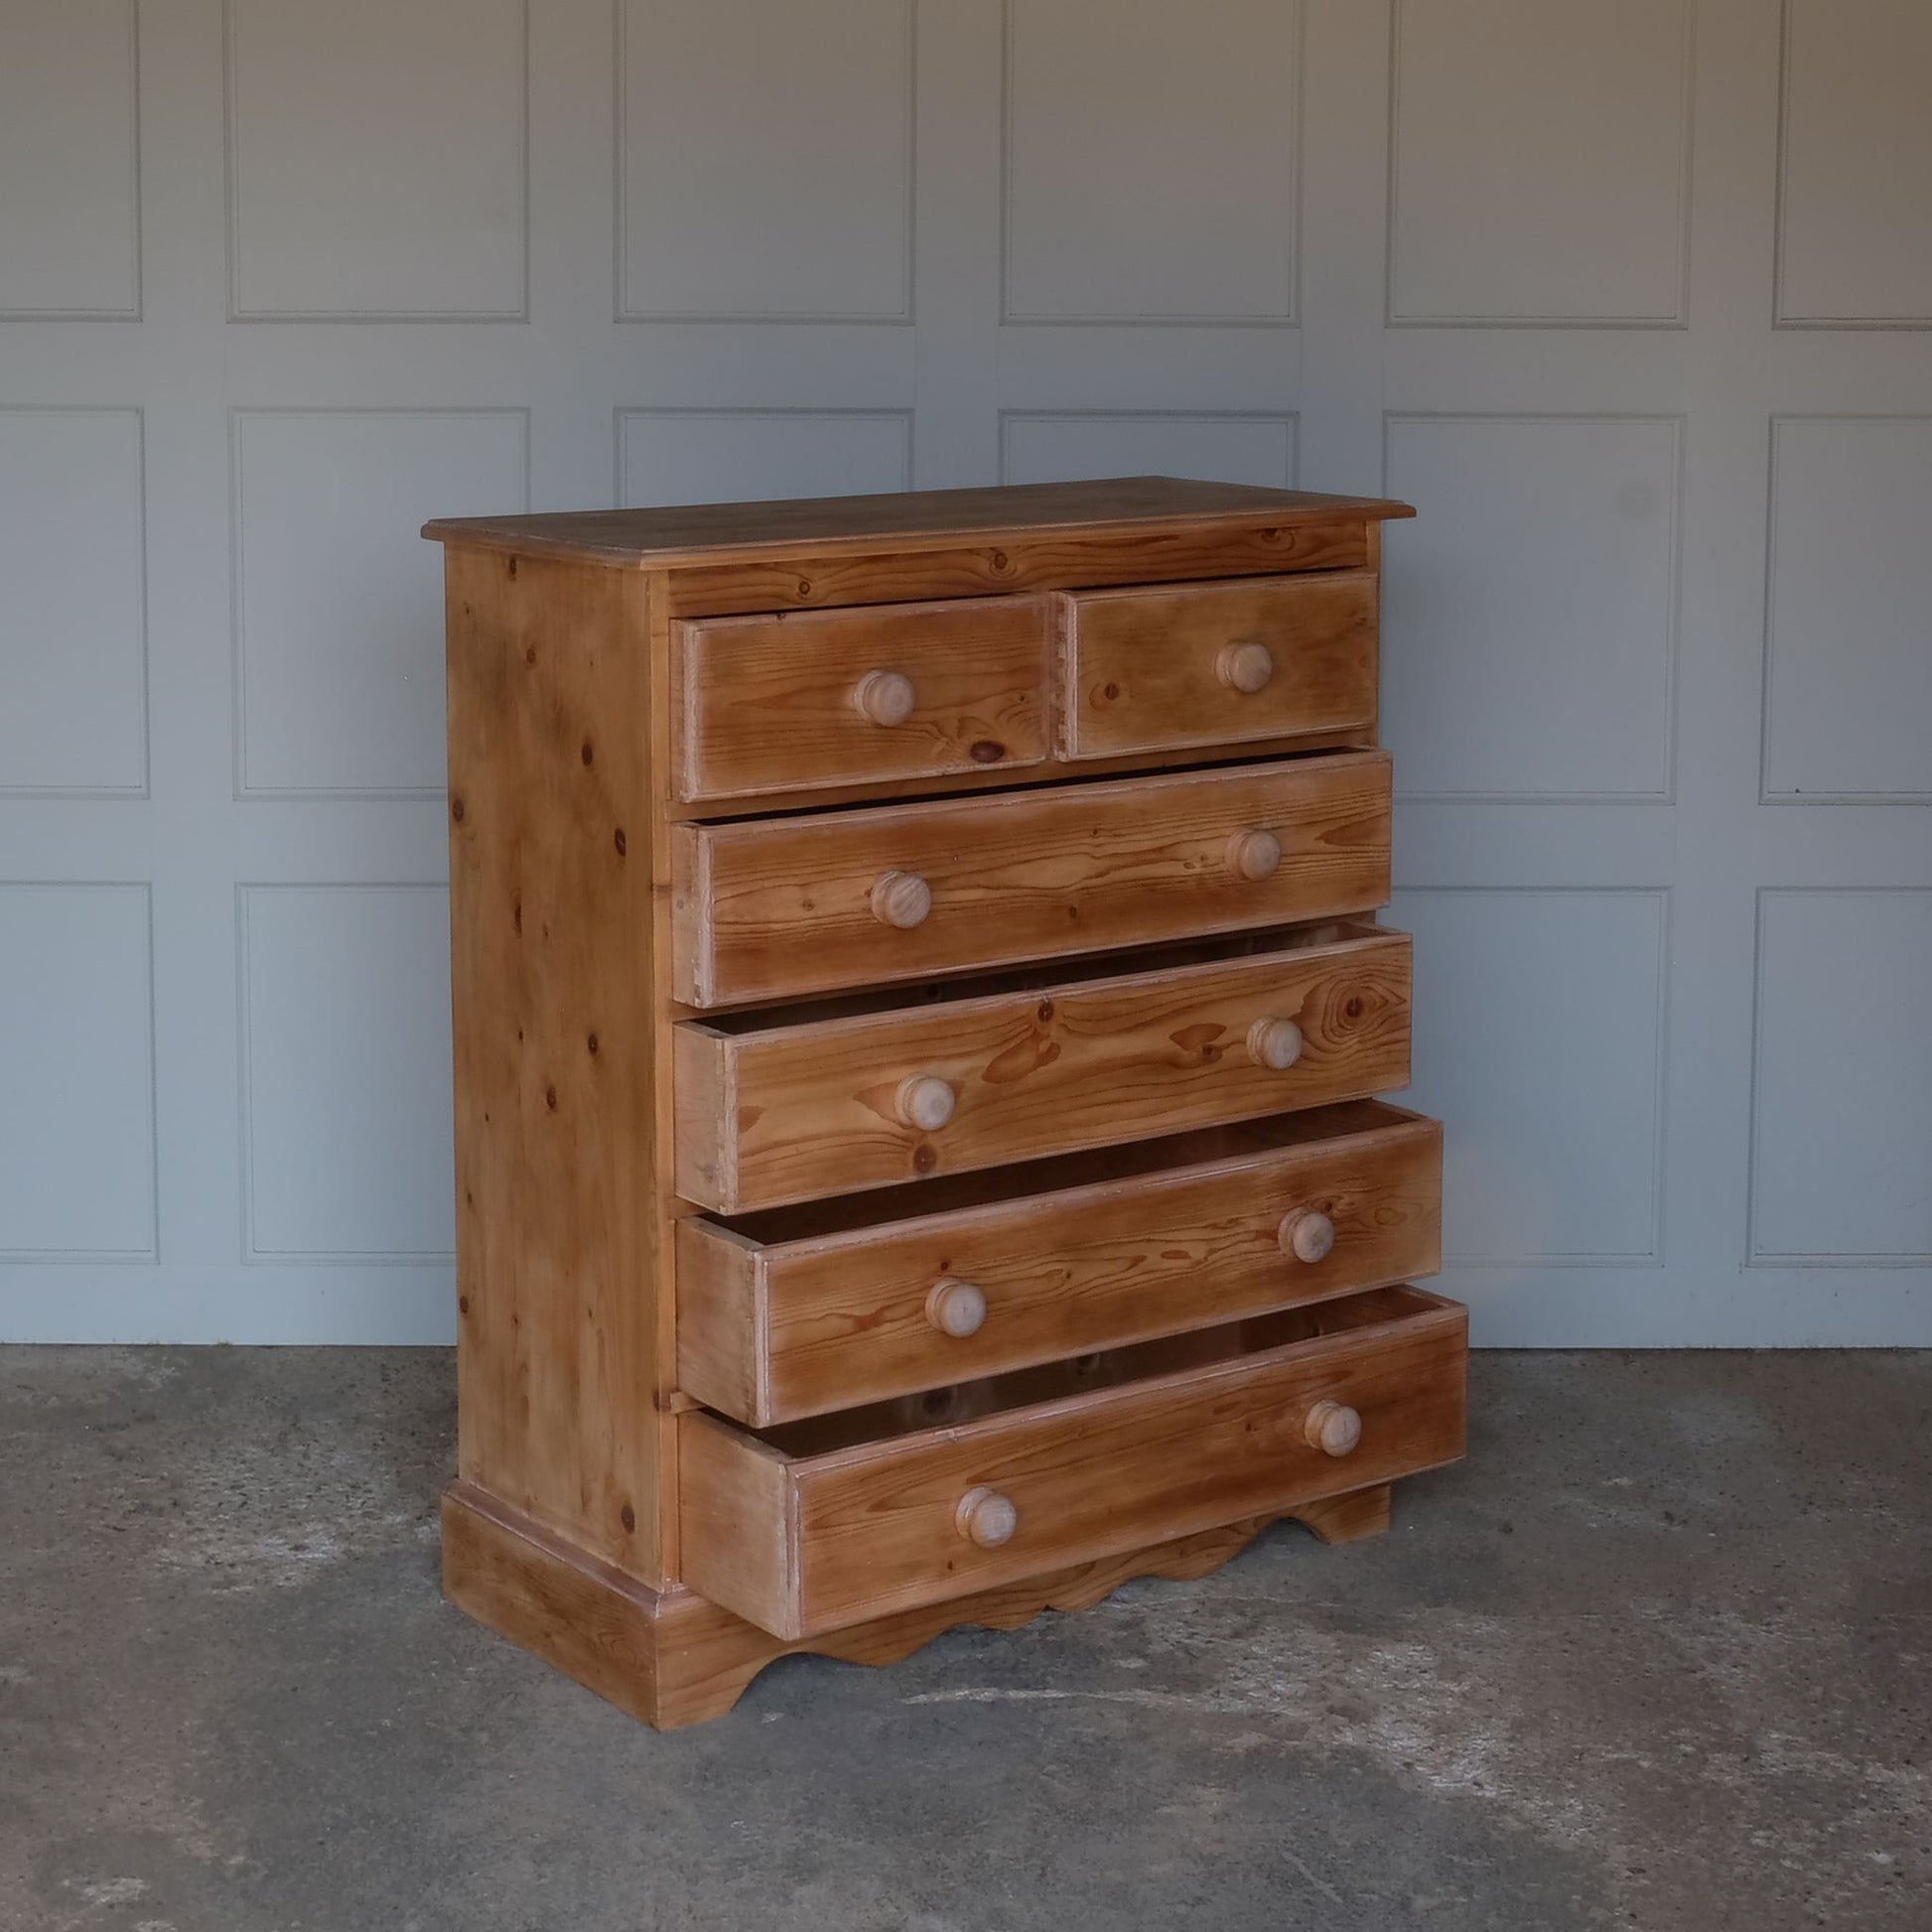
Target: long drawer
x=770 y=1111
x=821 y=1307
x=820 y=1524
x=781 y=907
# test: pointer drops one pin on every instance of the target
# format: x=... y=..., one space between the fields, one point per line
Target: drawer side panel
x=738 y=1522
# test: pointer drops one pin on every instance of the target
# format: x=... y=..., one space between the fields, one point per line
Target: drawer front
x=806 y=904
x=766 y=1115
x=803 y=1541
x=1182 y=665
x=786 y=702
x=775 y=1325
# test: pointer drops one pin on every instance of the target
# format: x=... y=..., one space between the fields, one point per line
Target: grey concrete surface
x=1658 y=1655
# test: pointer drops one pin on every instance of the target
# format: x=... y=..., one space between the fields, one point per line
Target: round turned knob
x=1254 y=854
x=1245 y=667
x=886 y=697
x=956 y=1308
x=986 y=1517
x=1308 y=1234
x=924 y=1101
x=901 y=899
x=1274 y=1044
x=1332 y=1427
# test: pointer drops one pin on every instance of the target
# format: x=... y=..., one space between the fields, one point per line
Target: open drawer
x=816 y=1525
x=838 y=1096
x=809 y=1309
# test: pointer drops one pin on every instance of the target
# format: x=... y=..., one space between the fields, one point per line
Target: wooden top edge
x=661 y=539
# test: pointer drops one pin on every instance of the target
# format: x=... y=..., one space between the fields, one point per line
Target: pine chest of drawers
x=918 y=1013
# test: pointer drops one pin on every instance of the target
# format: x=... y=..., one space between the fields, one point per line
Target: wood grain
x=771 y=703
x=1055 y=769
x=868 y=1530
x=782 y=907
x=671 y=1658
x=657 y=538
x=770 y=1113
x=773 y=1329
x=1144 y=667
x=558 y=1352
x=1016 y=561
x=1350 y=1518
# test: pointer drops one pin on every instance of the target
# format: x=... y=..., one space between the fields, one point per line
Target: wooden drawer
x=772 y=907
x=1172 y=666
x=810 y=1309
x=776 y=1110
x=789 y=701
x=825 y=1523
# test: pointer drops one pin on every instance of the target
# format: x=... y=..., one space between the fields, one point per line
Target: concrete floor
x=1658 y=1655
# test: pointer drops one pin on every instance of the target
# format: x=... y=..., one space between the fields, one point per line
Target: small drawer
x=778 y=908
x=1175 y=667
x=810 y=1309
x=772 y=1109
x=821 y=1524
x=792 y=701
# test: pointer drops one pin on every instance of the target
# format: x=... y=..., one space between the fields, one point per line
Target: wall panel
x=1540 y=160
x=801 y=138
x=1531 y=610
x=76 y=1067
x=1038 y=446
x=1150 y=160
x=1855 y=156
x=345 y=1072
x=338 y=604
x=75 y=712
x=1539 y=1030
x=715 y=456
x=69 y=160
x=1848 y=645
x=1842 y=1098
x=376 y=158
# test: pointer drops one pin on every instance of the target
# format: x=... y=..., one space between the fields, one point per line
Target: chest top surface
x=661 y=539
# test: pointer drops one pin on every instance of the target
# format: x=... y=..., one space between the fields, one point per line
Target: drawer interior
x=1039 y=976
x=1059 y=778
x=943 y=1410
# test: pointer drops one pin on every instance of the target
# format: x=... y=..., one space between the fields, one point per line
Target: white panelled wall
x=1631 y=298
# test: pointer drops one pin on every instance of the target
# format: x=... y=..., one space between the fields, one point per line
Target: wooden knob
x=1308 y=1234
x=956 y=1308
x=901 y=899
x=1332 y=1427
x=886 y=697
x=1254 y=854
x=1245 y=667
x=986 y=1517
x=924 y=1101
x=1274 y=1044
